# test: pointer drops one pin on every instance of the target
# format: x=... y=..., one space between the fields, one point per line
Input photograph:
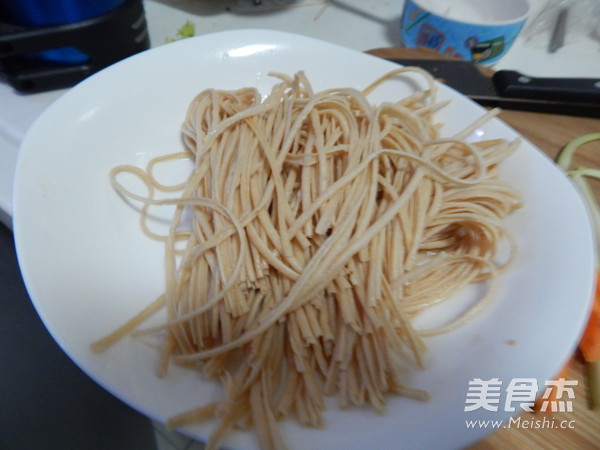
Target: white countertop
x=353 y=23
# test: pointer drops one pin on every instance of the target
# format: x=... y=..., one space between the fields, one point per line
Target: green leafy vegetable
x=187 y=30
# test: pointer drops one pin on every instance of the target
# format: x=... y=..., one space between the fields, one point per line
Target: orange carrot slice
x=590 y=341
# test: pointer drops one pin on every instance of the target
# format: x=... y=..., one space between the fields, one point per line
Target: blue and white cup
x=481 y=31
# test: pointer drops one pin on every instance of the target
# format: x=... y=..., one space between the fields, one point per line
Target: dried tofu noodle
x=321 y=225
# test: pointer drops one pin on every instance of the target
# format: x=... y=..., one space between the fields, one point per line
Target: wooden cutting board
x=549 y=132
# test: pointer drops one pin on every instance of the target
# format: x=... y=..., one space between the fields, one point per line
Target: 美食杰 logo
x=521 y=392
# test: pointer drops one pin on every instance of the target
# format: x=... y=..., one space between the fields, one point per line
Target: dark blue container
x=51 y=44
x=45 y=13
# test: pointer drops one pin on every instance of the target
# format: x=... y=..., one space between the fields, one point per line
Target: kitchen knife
x=509 y=89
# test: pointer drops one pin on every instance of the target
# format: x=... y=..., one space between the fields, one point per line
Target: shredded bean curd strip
x=318 y=226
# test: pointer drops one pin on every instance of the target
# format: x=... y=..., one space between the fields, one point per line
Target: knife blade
x=509 y=89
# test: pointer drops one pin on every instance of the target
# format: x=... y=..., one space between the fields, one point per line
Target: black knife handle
x=513 y=84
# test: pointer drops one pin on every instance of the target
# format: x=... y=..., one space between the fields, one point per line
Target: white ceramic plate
x=88 y=267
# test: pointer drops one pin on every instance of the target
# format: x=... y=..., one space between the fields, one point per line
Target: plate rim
x=18 y=227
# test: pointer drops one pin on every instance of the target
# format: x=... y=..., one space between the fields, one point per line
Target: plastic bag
x=582 y=19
